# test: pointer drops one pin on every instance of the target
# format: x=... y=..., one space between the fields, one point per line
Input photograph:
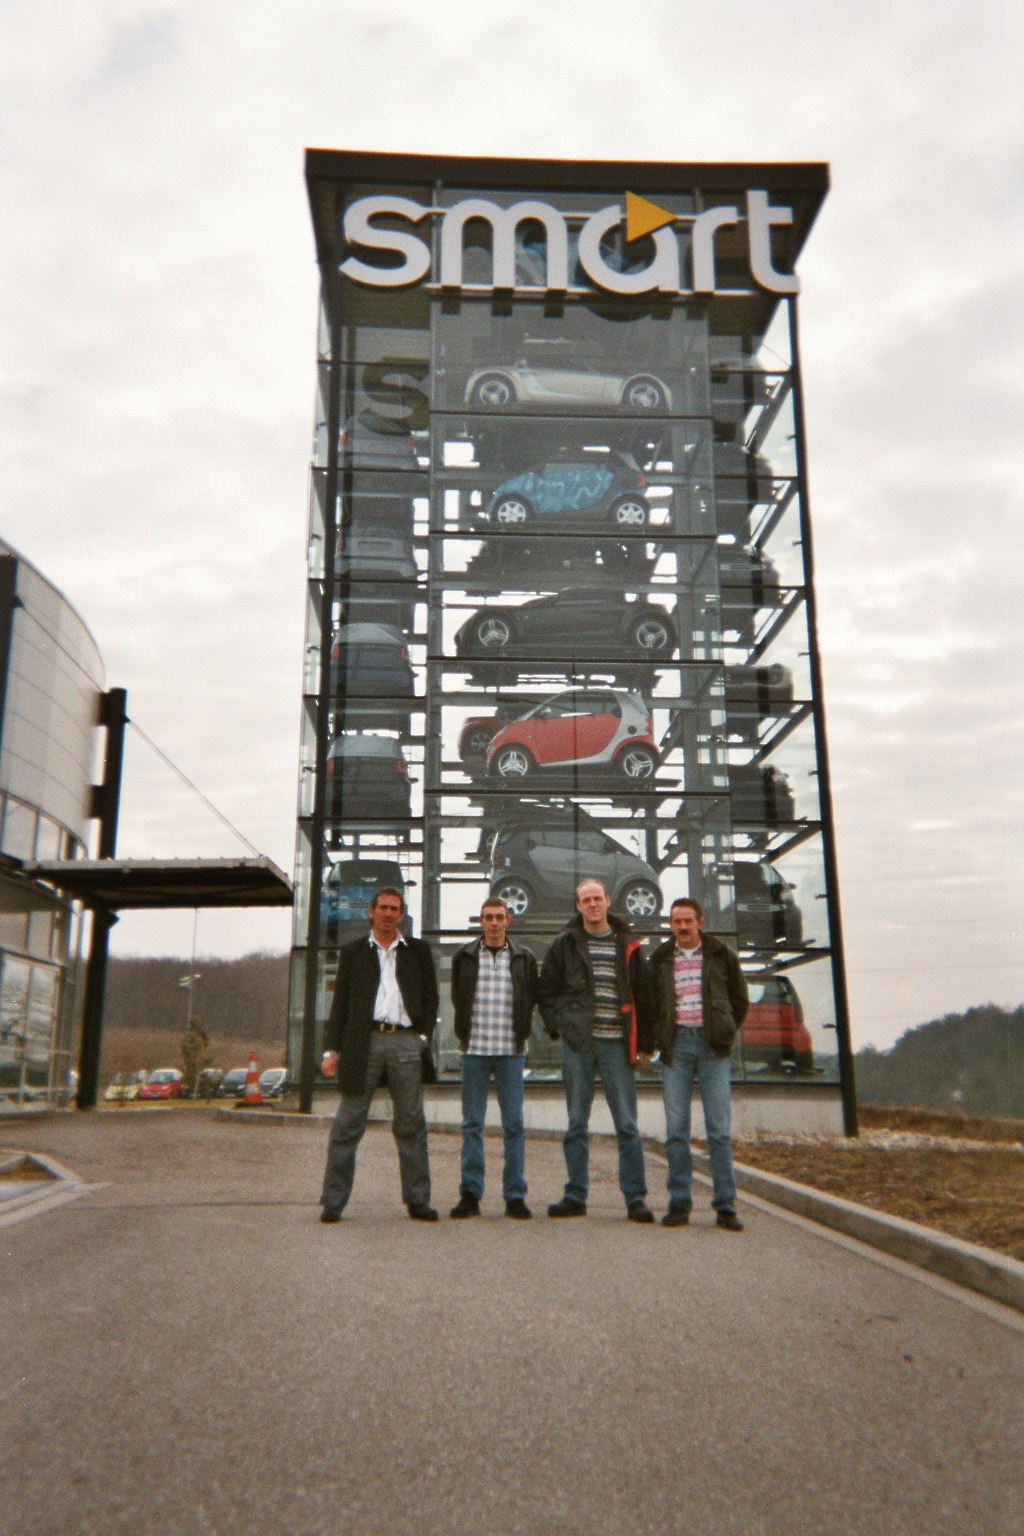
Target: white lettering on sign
x=411 y=257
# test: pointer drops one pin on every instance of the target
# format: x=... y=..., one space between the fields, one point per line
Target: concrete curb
x=979 y=1269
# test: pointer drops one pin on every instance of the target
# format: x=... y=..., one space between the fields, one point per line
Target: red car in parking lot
x=164 y=1083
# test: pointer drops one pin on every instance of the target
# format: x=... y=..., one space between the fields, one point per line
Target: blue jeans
x=690 y=1057
x=508 y=1081
x=579 y=1071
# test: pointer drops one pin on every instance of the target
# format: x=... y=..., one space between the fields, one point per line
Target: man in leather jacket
x=700 y=1001
x=594 y=996
x=383 y=1013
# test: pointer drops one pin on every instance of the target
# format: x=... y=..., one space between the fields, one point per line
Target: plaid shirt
x=491 y=1031
x=687 y=967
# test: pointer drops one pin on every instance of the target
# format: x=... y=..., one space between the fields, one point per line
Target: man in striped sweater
x=594 y=997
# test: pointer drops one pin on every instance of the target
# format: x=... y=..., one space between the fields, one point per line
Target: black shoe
x=468 y=1205
x=639 y=1210
x=730 y=1221
x=421 y=1211
x=326 y=1215
x=676 y=1216
x=568 y=1207
x=519 y=1209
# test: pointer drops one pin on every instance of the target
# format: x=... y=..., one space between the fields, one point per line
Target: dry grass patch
x=962 y=1175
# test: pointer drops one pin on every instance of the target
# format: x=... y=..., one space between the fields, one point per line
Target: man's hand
x=329 y=1063
x=643 y=1059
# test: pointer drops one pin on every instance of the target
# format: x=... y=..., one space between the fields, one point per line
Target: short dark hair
x=688 y=901
x=496 y=901
x=387 y=890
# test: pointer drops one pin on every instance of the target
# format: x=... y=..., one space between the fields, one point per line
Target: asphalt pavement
x=186 y=1350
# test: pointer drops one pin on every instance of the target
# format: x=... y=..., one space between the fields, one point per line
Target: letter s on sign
x=359 y=231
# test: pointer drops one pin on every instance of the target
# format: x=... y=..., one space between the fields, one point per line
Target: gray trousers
x=398 y=1058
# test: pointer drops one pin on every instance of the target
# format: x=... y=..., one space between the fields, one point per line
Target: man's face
x=494 y=923
x=386 y=917
x=686 y=927
x=592 y=904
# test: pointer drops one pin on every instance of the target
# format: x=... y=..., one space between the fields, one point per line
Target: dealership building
x=561 y=615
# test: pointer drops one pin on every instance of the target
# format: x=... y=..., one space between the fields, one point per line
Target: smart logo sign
x=407 y=252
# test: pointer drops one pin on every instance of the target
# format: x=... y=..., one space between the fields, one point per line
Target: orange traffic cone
x=252 y=1094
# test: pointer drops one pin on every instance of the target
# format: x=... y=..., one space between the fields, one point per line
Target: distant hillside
x=246 y=998
x=972 y=1062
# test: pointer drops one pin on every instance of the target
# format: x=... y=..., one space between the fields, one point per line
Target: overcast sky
x=157 y=320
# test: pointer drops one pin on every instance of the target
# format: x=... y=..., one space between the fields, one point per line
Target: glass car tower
x=560 y=613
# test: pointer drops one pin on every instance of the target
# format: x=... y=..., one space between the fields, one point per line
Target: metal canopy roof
x=151 y=884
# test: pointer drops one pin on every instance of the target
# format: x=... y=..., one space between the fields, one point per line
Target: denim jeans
x=398 y=1058
x=508 y=1082
x=690 y=1057
x=579 y=1072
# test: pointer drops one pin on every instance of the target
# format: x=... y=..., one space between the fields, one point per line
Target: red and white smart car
x=602 y=728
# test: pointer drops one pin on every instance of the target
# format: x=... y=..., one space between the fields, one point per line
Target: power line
x=194 y=788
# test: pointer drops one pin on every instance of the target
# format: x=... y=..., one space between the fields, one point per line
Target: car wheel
x=492 y=632
x=652 y=633
x=512 y=763
x=477 y=742
x=630 y=512
x=643 y=395
x=516 y=895
x=641 y=900
x=639 y=762
x=511 y=512
x=493 y=392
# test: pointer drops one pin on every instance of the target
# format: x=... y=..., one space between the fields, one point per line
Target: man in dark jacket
x=594 y=996
x=494 y=989
x=701 y=1001
x=383 y=1013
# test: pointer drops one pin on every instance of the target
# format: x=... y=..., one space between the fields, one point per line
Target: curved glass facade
x=51 y=677
x=561 y=615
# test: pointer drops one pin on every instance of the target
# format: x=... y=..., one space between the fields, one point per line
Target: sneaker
x=639 y=1210
x=730 y=1221
x=568 y=1207
x=468 y=1205
x=519 y=1209
x=676 y=1216
x=421 y=1211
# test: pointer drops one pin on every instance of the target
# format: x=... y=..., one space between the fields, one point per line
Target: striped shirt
x=607 y=1012
x=490 y=1025
x=686 y=970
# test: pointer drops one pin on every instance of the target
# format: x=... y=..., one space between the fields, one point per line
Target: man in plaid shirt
x=494 y=989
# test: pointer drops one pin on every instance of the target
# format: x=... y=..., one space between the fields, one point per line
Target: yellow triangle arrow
x=643 y=217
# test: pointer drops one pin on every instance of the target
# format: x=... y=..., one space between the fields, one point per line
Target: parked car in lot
x=608 y=488
x=349 y=887
x=123 y=1087
x=164 y=1083
x=208 y=1082
x=571 y=629
x=537 y=863
x=594 y=728
x=753 y=694
x=367 y=776
x=496 y=388
x=273 y=1082
x=232 y=1084
x=774 y=1032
